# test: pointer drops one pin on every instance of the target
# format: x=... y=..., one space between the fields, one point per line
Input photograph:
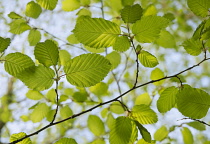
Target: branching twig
x=197 y=121
x=104 y=103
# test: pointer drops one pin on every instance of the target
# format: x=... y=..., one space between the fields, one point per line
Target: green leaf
x=86 y=70
x=117 y=108
x=66 y=112
x=144 y=132
x=130 y=14
x=169 y=16
x=150 y=10
x=157 y=74
x=127 y=2
x=148 y=28
x=197 y=33
x=114 y=58
x=47 y=4
x=197 y=125
x=161 y=133
x=110 y=120
x=46 y=53
x=96 y=125
x=147 y=59
x=205 y=34
x=18 y=26
x=17 y=62
x=34 y=95
x=51 y=95
x=4 y=43
x=166 y=40
x=85 y=2
x=50 y=115
x=187 y=136
x=142 y=141
x=199 y=7
x=143 y=99
x=66 y=141
x=193 y=103
x=40 y=112
x=80 y=96
x=34 y=37
x=18 y=136
x=64 y=57
x=167 y=99
x=121 y=44
x=14 y=15
x=72 y=39
x=143 y=114
x=33 y=9
x=99 y=89
x=96 y=32
x=70 y=5
x=121 y=131
x=193 y=47
x=40 y=78
x=84 y=12
x=134 y=133
x=98 y=141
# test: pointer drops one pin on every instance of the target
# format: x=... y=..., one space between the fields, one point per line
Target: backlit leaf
x=130 y=14
x=96 y=32
x=127 y=2
x=40 y=78
x=114 y=58
x=86 y=70
x=143 y=114
x=199 y=7
x=34 y=37
x=47 y=4
x=33 y=10
x=193 y=103
x=4 y=43
x=18 y=136
x=96 y=125
x=99 y=89
x=166 y=40
x=148 y=28
x=147 y=59
x=193 y=47
x=167 y=99
x=46 y=53
x=150 y=10
x=121 y=44
x=17 y=62
x=34 y=95
x=187 y=136
x=14 y=15
x=117 y=108
x=155 y=75
x=18 y=26
x=39 y=112
x=143 y=99
x=64 y=57
x=66 y=112
x=70 y=5
x=121 y=131
x=144 y=132
x=161 y=133
x=66 y=141
x=197 y=125
x=80 y=96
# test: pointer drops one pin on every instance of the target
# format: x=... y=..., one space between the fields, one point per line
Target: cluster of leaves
x=52 y=63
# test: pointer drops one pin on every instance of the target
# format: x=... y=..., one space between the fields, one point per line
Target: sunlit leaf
x=157 y=74
x=127 y=2
x=66 y=141
x=70 y=5
x=96 y=125
x=197 y=125
x=147 y=59
x=34 y=95
x=40 y=78
x=167 y=99
x=46 y=53
x=72 y=39
x=96 y=32
x=18 y=26
x=98 y=141
x=47 y=4
x=18 y=136
x=14 y=15
x=130 y=14
x=150 y=10
x=166 y=40
x=110 y=120
x=33 y=10
x=51 y=95
x=144 y=132
x=148 y=28
x=39 y=112
x=143 y=114
x=187 y=136
x=199 y=7
x=64 y=57
x=17 y=62
x=143 y=99
x=34 y=37
x=99 y=89
x=114 y=58
x=121 y=44
x=66 y=112
x=161 y=133
x=86 y=70
x=121 y=131
x=80 y=96
x=193 y=47
x=193 y=102
x=142 y=141
x=4 y=43
x=117 y=108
